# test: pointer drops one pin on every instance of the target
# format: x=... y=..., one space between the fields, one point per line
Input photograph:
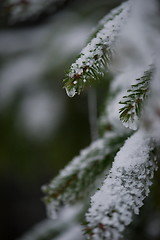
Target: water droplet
x=71 y=93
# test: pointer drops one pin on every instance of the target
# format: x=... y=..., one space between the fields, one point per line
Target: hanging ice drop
x=71 y=93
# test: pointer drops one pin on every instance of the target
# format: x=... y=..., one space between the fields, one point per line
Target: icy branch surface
x=124 y=190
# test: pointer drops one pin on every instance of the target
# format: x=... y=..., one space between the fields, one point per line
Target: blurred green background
x=41 y=129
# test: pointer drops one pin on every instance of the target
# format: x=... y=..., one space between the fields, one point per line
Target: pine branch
x=79 y=177
x=97 y=55
x=44 y=230
x=21 y=11
x=123 y=191
x=49 y=229
x=108 y=17
x=134 y=101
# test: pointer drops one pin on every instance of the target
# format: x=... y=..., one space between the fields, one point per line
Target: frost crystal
x=124 y=190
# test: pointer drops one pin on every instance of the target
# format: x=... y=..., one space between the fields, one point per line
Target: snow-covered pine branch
x=108 y=17
x=67 y=224
x=27 y=10
x=138 y=84
x=78 y=178
x=124 y=190
x=134 y=101
x=96 y=56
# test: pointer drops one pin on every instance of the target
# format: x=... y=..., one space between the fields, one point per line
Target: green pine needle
x=134 y=101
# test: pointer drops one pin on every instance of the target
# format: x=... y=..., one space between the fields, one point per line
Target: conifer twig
x=49 y=229
x=77 y=179
x=124 y=190
x=134 y=101
x=21 y=11
x=97 y=55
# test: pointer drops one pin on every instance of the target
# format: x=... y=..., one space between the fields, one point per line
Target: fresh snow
x=123 y=191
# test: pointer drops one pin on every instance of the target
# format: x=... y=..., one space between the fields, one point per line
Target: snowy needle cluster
x=124 y=189
x=77 y=179
x=133 y=102
x=22 y=10
x=97 y=55
x=126 y=43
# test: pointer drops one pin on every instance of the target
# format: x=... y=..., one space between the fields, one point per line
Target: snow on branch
x=96 y=56
x=43 y=230
x=134 y=101
x=108 y=17
x=124 y=190
x=67 y=224
x=23 y=10
x=79 y=177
